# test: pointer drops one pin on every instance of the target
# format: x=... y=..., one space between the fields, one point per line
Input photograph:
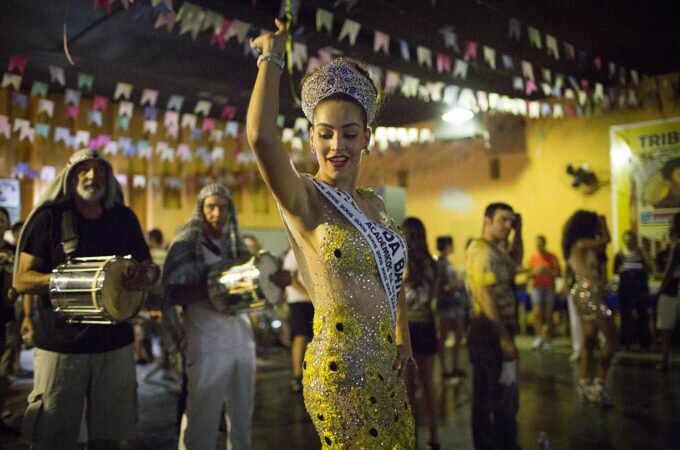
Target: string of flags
x=581 y=93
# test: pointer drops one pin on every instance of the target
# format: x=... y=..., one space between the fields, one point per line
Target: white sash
x=388 y=248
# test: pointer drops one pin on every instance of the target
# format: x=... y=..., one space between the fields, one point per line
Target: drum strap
x=69 y=234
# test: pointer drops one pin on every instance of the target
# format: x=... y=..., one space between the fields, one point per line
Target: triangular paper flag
x=122 y=90
x=5 y=128
x=95 y=117
x=460 y=69
x=19 y=99
x=350 y=29
x=85 y=81
x=138 y=181
x=527 y=70
x=71 y=111
x=11 y=79
x=534 y=37
x=62 y=134
x=451 y=40
x=324 y=21
x=72 y=96
x=551 y=46
x=100 y=103
x=451 y=94
x=82 y=138
x=203 y=107
x=17 y=62
x=175 y=102
x=299 y=55
x=470 y=51
x=188 y=120
x=443 y=63
x=39 y=88
x=231 y=129
x=125 y=109
x=149 y=97
x=57 y=74
x=151 y=127
x=238 y=29
x=228 y=112
x=490 y=57
x=514 y=29
x=42 y=129
x=208 y=124
x=46 y=106
x=381 y=41
x=424 y=56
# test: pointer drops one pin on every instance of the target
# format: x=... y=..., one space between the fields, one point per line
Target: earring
x=313 y=150
x=366 y=151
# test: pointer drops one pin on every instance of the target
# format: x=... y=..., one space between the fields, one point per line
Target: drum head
x=267 y=265
x=120 y=303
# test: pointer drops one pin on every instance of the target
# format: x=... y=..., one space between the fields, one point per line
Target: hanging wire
x=68 y=54
x=289 y=50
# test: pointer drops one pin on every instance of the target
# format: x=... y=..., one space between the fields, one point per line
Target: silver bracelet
x=271 y=57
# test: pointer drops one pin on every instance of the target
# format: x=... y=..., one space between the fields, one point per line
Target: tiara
x=338 y=77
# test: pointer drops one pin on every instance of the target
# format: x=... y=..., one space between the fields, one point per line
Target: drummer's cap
x=113 y=191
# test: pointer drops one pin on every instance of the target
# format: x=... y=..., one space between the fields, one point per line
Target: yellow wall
x=534 y=182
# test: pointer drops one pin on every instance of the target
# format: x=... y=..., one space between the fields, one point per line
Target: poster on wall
x=645 y=165
x=10 y=198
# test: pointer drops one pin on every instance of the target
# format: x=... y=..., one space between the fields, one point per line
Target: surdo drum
x=247 y=287
x=90 y=290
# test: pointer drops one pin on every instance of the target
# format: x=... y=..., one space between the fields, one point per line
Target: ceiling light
x=457 y=115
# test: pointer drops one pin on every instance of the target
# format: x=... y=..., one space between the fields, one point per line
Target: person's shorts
x=451 y=306
x=542 y=296
x=104 y=384
x=423 y=338
x=667 y=312
x=301 y=317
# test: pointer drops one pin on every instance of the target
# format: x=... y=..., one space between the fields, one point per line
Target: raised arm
x=273 y=161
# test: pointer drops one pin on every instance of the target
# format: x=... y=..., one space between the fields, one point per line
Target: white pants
x=221 y=372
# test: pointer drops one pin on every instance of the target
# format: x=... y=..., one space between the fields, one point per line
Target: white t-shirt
x=290 y=264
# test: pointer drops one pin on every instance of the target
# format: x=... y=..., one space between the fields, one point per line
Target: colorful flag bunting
x=17 y=62
x=350 y=29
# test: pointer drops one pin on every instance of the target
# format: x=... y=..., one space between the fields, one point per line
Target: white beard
x=91 y=194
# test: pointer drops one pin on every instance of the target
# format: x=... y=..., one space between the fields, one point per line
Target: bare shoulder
x=372 y=197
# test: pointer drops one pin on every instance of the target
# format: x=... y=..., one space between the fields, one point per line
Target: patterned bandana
x=338 y=77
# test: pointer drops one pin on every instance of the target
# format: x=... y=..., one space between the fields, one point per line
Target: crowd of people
x=366 y=323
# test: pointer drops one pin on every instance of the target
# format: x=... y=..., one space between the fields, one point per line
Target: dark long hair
x=421 y=265
x=581 y=225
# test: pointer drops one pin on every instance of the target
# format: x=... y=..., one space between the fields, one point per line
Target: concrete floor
x=644 y=415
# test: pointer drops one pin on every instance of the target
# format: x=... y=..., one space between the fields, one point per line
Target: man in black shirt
x=80 y=365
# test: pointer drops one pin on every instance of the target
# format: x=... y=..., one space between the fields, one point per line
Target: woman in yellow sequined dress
x=352 y=372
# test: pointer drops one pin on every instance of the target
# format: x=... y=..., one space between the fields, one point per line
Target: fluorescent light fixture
x=457 y=115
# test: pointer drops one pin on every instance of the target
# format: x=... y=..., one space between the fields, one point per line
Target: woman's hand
x=272 y=42
x=404 y=358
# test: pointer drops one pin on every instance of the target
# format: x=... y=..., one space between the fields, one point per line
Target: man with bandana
x=220 y=347
x=80 y=367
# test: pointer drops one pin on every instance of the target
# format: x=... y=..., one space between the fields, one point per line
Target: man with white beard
x=80 y=366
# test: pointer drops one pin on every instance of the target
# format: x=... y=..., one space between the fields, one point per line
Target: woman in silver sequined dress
x=352 y=382
x=584 y=241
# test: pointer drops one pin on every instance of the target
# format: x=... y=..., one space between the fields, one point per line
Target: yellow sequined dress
x=352 y=393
